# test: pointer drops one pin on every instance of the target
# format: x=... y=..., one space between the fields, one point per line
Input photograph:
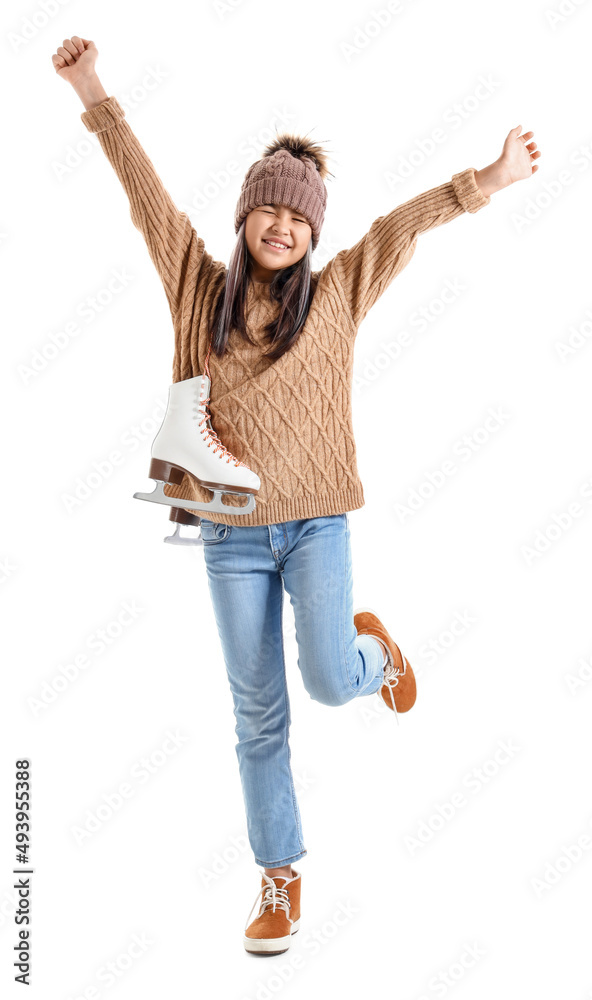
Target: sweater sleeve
x=365 y=270
x=173 y=244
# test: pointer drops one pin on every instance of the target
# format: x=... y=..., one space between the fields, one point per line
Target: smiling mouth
x=278 y=249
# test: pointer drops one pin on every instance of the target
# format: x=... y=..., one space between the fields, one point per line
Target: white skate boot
x=187 y=443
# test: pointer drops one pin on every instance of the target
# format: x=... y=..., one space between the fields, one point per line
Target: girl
x=282 y=339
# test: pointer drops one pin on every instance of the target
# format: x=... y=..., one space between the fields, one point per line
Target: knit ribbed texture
x=290 y=420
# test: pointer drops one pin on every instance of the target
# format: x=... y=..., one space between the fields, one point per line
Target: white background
x=173 y=864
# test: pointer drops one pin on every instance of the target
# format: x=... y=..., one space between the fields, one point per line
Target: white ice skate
x=187 y=443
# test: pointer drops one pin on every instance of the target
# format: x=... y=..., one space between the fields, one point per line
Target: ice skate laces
x=206 y=430
x=205 y=424
x=272 y=896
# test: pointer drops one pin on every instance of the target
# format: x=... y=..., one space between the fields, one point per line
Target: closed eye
x=295 y=217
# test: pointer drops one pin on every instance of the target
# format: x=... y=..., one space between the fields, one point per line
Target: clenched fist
x=75 y=59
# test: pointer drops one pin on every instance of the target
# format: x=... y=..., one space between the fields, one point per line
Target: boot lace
x=392 y=674
x=205 y=425
x=272 y=896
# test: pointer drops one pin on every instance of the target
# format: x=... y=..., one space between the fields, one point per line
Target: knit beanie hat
x=291 y=172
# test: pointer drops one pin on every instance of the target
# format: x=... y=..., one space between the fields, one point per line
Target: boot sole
x=269 y=946
x=169 y=472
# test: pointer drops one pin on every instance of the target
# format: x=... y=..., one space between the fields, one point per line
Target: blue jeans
x=247 y=568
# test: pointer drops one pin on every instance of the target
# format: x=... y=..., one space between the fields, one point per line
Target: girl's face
x=279 y=224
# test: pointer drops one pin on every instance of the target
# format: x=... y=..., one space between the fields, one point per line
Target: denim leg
x=336 y=664
x=246 y=589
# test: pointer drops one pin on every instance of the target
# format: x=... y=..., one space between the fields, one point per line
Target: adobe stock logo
x=465 y=449
x=474 y=781
x=562 y=863
x=557 y=526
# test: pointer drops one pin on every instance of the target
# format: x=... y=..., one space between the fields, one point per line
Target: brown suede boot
x=398 y=690
x=271 y=931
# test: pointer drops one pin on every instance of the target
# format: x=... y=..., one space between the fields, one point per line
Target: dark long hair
x=291 y=286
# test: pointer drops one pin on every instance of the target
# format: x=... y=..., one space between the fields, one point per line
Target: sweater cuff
x=468 y=191
x=105 y=116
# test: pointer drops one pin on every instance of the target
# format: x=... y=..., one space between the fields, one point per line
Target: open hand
x=516 y=160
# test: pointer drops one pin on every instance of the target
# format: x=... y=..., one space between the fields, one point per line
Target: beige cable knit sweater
x=289 y=420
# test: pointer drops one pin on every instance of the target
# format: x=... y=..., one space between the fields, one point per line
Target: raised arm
x=363 y=272
x=176 y=250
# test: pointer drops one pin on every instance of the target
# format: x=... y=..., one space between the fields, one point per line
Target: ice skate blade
x=215 y=506
x=178 y=539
